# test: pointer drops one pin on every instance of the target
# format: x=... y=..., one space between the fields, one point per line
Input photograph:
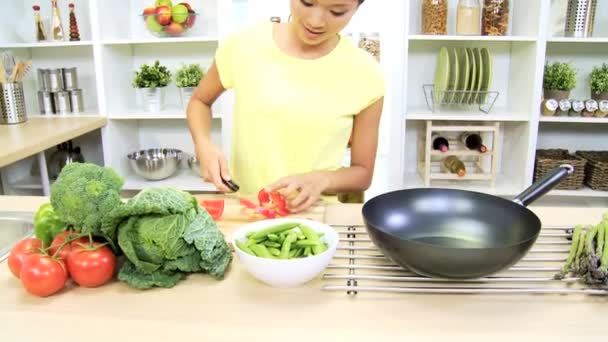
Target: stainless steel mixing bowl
x=194 y=165
x=155 y=163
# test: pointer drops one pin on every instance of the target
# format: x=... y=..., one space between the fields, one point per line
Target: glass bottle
x=56 y=25
x=468 y=17
x=454 y=165
x=40 y=35
x=473 y=141
x=495 y=18
x=440 y=143
x=434 y=17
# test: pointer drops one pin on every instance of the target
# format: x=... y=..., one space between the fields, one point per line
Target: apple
x=153 y=25
x=174 y=29
x=187 y=6
x=191 y=20
x=163 y=15
x=159 y=3
x=149 y=11
x=179 y=13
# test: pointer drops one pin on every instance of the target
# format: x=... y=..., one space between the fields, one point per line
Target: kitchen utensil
x=194 y=165
x=155 y=163
x=61 y=99
x=76 y=100
x=449 y=233
x=442 y=74
x=55 y=80
x=2 y=73
x=45 y=102
x=70 y=78
x=12 y=104
x=288 y=272
x=486 y=80
x=580 y=16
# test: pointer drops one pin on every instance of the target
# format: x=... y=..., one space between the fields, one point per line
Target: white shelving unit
x=115 y=43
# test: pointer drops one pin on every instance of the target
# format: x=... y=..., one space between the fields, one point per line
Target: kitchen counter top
x=39 y=133
x=240 y=308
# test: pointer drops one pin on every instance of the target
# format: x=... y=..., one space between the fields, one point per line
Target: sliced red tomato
x=266 y=212
x=215 y=208
x=274 y=200
x=247 y=203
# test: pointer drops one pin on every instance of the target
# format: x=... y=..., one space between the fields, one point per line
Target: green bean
x=287 y=245
x=300 y=253
x=274 y=229
x=307 y=251
x=244 y=248
x=261 y=251
x=306 y=243
x=273 y=237
x=268 y=243
x=248 y=235
x=274 y=251
x=292 y=253
x=320 y=234
x=320 y=248
x=251 y=242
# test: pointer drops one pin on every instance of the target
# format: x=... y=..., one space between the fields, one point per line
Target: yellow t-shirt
x=291 y=115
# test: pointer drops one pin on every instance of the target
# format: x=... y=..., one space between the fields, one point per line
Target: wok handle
x=544 y=185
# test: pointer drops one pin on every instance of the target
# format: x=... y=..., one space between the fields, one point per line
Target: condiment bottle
x=468 y=17
x=40 y=35
x=577 y=108
x=56 y=25
x=602 y=111
x=564 y=107
x=452 y=164
x=473 y=141
x=440 y=143
x=549 y=106
x=590 y=108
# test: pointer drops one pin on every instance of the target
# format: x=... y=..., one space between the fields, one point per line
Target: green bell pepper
x=47 y=224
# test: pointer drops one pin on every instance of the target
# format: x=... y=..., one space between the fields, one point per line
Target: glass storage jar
x=370 y=42
x=468 y=17
x=434 y=18
x=495 y=18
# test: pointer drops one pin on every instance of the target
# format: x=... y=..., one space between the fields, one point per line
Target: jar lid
x=565 y=104
x=591 y=105
x=578 y=105
x=551 y=104
x=603 y=105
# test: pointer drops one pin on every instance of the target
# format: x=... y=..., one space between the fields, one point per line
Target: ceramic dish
x=463 y=79
x=486 y=80
x=454 y=77
x=472 y=76
x=442 y=74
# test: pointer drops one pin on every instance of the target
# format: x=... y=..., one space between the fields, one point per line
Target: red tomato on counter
x=20 y=251
x=215 y=208
x=91 y=266
x=67 y=249
x=42 y=275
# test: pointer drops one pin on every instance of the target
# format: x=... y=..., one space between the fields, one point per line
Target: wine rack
x=480 y=166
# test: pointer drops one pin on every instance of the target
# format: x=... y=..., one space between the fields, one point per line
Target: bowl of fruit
x=165 y=19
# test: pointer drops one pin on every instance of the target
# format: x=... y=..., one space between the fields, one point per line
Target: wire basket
x=547 y=160
x=596 y=172
x=458 y=99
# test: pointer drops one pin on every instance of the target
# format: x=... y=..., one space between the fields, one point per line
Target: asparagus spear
x=590 y=260
x=573 y=250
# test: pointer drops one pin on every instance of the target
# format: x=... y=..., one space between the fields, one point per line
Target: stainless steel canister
x=580 y=16
x=44 y=80
x=45 y=102
x=76 y=100
x=55 y=80
x=12 y=104
x=62 y=102
x=70 y=78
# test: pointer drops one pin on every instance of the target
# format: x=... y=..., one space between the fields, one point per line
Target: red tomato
x=65 y=250
x=42 y=275
x=91 y=267
x=20 y=251
x=215 y=208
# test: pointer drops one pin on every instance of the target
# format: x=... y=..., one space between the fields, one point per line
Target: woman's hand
x=213 y=165
x=308 y=186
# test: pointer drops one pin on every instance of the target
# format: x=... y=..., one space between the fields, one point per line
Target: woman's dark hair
x=361 y=1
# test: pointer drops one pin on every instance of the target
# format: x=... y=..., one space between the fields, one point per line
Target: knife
x=231 y=185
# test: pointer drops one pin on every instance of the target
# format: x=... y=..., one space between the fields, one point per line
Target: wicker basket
x=596 y=173
x=547 y=160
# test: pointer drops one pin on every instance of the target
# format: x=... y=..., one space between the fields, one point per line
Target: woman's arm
x=213 y=163
x=357 y=177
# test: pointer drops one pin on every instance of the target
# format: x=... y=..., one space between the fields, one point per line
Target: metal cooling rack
x=358 y=266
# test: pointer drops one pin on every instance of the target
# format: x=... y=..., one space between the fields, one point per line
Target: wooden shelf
x=423 y=37
x=591 y=40
x=495 y=115
x=45 y=44
x=211 y=39
x=573 y=119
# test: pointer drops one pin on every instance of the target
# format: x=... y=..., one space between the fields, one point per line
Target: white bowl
x=289 y=272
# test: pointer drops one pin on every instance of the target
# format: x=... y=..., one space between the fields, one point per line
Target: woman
x=300 y=91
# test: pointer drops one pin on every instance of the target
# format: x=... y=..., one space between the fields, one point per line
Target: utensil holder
x=580 y=16
x=12 y=104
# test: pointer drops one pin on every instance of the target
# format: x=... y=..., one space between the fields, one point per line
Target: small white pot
x=185 y=94
x=153 y=99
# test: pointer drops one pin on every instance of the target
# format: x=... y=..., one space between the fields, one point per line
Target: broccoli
x=84 y=194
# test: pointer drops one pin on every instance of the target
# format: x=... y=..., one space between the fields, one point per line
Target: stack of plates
x=462 y=76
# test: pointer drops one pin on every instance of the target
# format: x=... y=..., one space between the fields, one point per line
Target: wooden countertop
x=39 y=133
x=240 y=308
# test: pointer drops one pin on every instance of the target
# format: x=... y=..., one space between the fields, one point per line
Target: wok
x=457 y=234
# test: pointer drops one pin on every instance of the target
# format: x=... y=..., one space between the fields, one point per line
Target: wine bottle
x=440 y=143
x=56 y=25
x=40 y=35
x=454 y=165
x=473 y=141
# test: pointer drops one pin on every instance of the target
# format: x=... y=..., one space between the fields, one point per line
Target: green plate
x=442 y=74
x=477 y=84
x=463 y=79
x=472 y=76
x=486 y=81
x=454 y=76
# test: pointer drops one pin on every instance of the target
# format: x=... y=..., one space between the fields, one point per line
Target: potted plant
x=186 y=79
x=598 y=81
x=558 y=80
x=151 y=81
